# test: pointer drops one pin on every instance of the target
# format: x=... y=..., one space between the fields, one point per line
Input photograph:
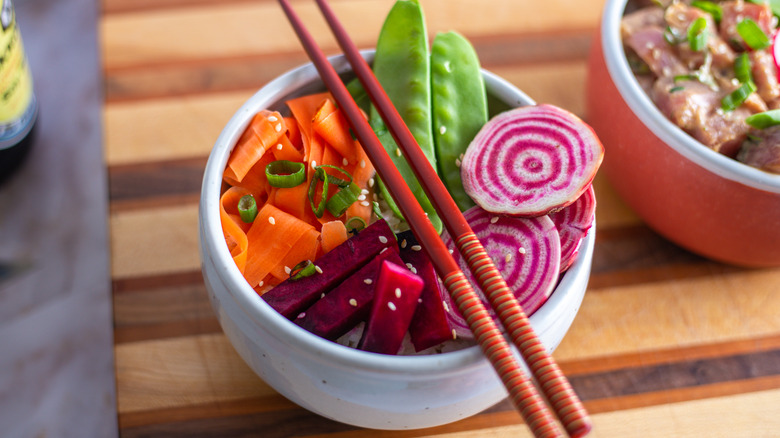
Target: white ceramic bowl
x=701 y=200
x=347 y=385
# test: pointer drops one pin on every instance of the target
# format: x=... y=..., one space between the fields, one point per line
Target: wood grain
x=666 y=343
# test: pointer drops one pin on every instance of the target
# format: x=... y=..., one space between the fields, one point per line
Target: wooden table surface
x=666 y=343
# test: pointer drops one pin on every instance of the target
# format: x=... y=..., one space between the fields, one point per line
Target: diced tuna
x=762 y=150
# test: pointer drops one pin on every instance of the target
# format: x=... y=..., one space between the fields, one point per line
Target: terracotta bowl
x=341 y=383
x=703 y=201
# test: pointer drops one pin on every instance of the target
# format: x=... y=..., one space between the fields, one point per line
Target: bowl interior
x=304 y=80
x=641 y=104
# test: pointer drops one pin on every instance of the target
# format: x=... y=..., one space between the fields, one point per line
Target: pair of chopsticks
x=521 y=389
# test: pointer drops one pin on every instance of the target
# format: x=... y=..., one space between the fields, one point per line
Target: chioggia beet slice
x=347 y=304
x=526 y=251
x=573 y=223
x=430 y=325
x=291 y=297
x=395 y=300
x=530 y=161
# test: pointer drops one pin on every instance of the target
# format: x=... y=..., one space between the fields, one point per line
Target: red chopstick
x=552 y=381
x=521 y=390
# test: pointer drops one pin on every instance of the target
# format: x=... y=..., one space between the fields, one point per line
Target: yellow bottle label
x=15 y=79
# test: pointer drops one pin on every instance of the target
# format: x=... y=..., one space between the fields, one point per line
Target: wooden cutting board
x=666 y=343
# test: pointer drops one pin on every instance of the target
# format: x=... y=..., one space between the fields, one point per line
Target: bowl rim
x=647 y=112
x=261 y=313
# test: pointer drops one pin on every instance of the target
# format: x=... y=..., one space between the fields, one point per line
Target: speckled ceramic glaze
x=695 y=197
x=347 y=385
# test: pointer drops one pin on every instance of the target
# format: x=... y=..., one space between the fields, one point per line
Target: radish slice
x=573 y=223
x=530 y=161
x=527 y=252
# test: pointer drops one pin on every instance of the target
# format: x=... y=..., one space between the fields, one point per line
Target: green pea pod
x=459 y=107
x=402 y=66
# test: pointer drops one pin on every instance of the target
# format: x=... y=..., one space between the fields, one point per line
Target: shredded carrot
x=235 y=234
x=293 y=132
x=303 y=109
x=332 y=126
x=305 y=248
x=292 y=200
x=285 y=150
x=271 y=238
x=262 y=133
x=255 y=180
x=334 y=233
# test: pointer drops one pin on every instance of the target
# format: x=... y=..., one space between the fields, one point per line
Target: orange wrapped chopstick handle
x=551 y=379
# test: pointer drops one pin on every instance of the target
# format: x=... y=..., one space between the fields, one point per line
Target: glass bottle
x=18 y=107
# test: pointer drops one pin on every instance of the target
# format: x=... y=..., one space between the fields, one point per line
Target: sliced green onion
x=341 y=200
x=709 y=7
x=752 y=34
x=355 y=223
x=303 y=269
x=376 y=209
x=697 y=34
x=676 y=89
x=671 y=37
x=319 y=175
x=742 y=68
x=765 y=119
x=737 y=97
x=688 y=77
x=336 y=180
x=247 y=208
x=285 y=173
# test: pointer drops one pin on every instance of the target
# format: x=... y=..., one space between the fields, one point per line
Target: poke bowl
x=702 y=197
x=335 y=381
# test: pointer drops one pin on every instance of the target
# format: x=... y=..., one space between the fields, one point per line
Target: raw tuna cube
x=291 y=297
x=348 y=304
x=395 y=300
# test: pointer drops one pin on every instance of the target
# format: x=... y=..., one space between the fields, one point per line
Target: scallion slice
x=336 y=180
x=752 y=34
x=375 y=208
x=303 y=269
x=355 y=223
x=765 y=119
x=697 y=34
x=319 y=175
x=247 y=208
x=709 y=7
x=285 y=174
x=341 y=200
x=733 y=100
x=742 y=68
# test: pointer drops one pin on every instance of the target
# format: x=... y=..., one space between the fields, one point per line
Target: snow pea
x=402 y=66
x=459 y=107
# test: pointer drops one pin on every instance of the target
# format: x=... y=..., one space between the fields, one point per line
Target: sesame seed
x=454 y=334
x=313 y=164
x=403 y=243
x=508 y=258
x=383 y=239
x=287 y=270
x=364 y=192
x=442 y=130
x=494 y=219
x=278 y=128
x=261 y=283
x=362 y=197
x=371 y=182
x=457 y=162
x=409 y=265
x=461 y=157
x=416 y=248
x=368 y=281
x=302 y=315
x=365 y=203
x=446 y=306
x=362 y=164
x=271 y=220
x=318 y=269
x=272 y=118
x=375 y=197
x=419 y=300
x=322 y=295
x=385 y=249
x=391 y=305
x=353 y=302
x=521 y=250
x=397 y=152
x=451 y=250
x=413 y=269
x=279 y=147
x=398 y=292
x=345 y=162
